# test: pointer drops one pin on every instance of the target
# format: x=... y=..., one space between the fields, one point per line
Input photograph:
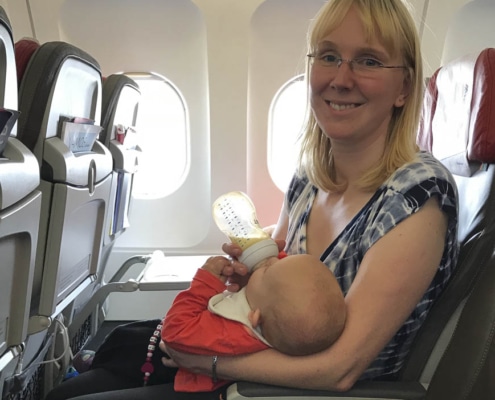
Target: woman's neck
x=351 y=163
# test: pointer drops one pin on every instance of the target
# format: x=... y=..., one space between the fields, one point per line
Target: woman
x=380 y=215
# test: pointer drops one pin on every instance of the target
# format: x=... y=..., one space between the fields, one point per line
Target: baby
x=293 y=304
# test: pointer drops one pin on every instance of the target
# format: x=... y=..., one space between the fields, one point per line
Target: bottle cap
x=258 y=252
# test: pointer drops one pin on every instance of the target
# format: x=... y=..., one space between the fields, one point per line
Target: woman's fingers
x=232 y=250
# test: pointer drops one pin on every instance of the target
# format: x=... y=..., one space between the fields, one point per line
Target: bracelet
x=214 y=377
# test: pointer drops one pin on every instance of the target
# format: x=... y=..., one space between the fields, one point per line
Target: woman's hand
x=237 y=273
x=167 y=360
x=195 y=363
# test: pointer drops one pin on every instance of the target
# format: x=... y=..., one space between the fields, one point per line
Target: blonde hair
x=391 y=23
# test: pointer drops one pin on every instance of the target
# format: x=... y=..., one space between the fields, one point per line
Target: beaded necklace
x=147 y=368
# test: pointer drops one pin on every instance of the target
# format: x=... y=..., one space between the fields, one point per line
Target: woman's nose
x=343 y=75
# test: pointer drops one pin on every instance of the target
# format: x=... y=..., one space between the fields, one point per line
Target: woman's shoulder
x=298 y=185
x=424 y=168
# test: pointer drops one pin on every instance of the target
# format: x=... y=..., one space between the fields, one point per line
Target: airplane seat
x=121 y=97
x=20 y=206
x=453 y=355
x=120 y=103
x=24 y=50
x=60 y=99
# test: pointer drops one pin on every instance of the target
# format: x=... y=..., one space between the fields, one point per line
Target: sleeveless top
x=403 y=194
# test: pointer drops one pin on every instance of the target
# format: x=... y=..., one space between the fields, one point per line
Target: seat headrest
x=24 y=49
x=38 y=98
x=113 y=88
x=458 y=119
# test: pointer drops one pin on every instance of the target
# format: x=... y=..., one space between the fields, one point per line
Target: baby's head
x=297 y=303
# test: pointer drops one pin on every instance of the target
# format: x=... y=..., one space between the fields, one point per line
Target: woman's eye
x=328 y=58
x=368 y=62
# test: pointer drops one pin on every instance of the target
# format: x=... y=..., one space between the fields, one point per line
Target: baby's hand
x=216 y=266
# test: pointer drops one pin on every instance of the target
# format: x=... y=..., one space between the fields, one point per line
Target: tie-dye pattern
x=403 y=194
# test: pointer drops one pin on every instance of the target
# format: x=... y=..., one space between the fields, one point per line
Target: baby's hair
x=307 y=314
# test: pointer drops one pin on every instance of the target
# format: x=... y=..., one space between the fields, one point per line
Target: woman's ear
x=406 y=89
x=254 y=317
x=400 y=101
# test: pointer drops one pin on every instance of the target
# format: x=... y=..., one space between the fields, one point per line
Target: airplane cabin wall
x=228 y=59
x=470 y=30
x=277 y=53
x=438 y=18
x=167 y=38
x=18 y=15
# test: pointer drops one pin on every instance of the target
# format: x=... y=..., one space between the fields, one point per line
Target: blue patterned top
x=403 y=194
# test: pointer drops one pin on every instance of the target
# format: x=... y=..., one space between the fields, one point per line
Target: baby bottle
x=235 y=215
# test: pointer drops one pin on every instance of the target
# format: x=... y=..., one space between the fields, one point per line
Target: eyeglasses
x=364 y=66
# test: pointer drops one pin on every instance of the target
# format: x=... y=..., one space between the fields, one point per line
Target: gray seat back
x=20 y=205
x=119 y=107
x=60 y=81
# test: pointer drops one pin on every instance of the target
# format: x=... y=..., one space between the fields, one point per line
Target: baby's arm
x=189 y=325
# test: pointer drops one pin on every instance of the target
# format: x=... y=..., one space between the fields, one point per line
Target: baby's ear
x=254 y=317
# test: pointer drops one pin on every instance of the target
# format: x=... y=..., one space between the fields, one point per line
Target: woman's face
x=352 y=106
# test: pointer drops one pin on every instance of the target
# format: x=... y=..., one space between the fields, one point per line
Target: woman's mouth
x=341 y=107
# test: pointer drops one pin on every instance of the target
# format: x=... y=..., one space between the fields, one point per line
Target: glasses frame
x=352 y=63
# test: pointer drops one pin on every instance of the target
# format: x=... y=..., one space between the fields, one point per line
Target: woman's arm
x=392 y=278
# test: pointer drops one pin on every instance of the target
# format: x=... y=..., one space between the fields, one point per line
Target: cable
x=66 y=346
x=65 y=339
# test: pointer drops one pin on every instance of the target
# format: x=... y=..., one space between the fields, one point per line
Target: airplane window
x=286 y=120
x=163 y=129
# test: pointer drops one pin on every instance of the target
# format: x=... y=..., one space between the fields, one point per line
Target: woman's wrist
x=214 y=376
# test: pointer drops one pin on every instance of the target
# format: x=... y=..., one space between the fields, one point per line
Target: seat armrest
x=360 y=391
